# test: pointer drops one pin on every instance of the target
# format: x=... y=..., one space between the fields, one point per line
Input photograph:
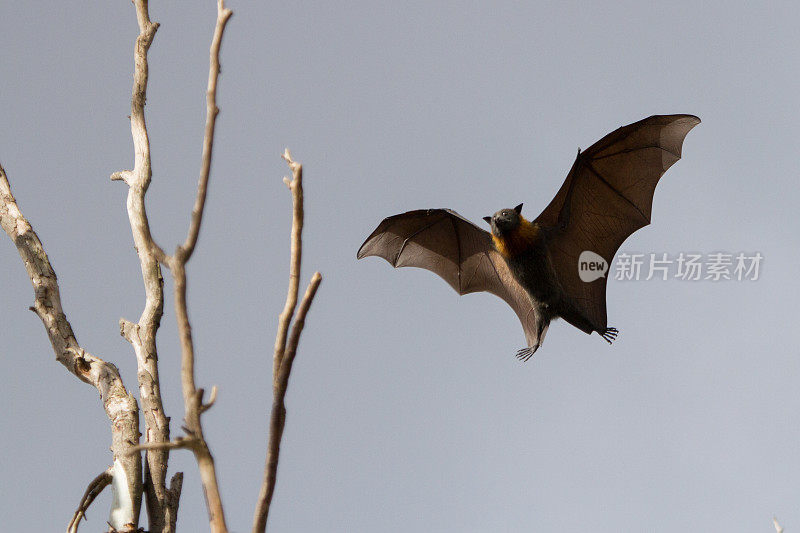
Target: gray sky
x=407 y=408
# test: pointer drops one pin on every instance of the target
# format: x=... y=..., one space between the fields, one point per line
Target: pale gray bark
x=119 y=405
x=161 y=502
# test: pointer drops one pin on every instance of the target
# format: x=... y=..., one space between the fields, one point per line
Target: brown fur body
x=523 y=244
x=524 y=250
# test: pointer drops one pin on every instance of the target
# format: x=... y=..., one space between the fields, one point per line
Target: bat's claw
x=526 y=353
x=609 y=335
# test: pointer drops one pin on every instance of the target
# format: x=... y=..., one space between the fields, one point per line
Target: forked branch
x=295 y=185
x=286 y=341
x=192 y=396
x=142 y=334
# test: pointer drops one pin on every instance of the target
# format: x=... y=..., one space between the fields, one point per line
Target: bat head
x=505 y=220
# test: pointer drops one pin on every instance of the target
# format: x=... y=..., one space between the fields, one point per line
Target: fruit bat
x=534 y=266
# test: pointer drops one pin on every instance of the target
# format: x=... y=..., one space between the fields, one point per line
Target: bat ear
x=518 y=209
x=488 y=220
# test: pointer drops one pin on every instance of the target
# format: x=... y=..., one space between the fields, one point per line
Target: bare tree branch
x=142 y=335
x=180 y=442
x=194 y=405
x=151 y=255
x=296 y=253
x=285 y=351
x=193 y=402
x=185 y=251
x=120 y=406
x=297 y=328
x=125 y=474
x=95 y=487
x=211 y=399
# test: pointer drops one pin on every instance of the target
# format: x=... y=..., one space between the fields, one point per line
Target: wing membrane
x=608 y=194
x=444 y=242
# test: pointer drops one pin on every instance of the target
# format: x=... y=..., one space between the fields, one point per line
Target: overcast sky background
x=407 y=410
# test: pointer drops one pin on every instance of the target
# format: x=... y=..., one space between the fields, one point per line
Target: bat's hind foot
x=526 y=353
x=609 y=335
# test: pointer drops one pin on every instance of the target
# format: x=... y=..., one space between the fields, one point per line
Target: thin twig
x=142 y=335
x=119 y=405
x=212 y=111
x=297 y=327
x=95 y=487
x=180 y=442
x=778 y=527
x=285 y=351
x=296 y=252
x=211 y=399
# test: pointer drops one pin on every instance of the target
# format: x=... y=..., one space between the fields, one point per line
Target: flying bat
x=536 y=267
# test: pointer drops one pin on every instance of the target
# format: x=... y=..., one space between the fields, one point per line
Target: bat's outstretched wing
x=607 y=196
x=442 y=241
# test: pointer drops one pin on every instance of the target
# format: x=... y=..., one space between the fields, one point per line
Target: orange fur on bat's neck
x=517 y=241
